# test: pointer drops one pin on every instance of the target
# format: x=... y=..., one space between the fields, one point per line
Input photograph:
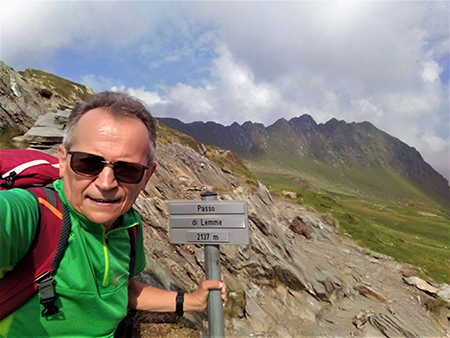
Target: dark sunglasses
x=91 y=165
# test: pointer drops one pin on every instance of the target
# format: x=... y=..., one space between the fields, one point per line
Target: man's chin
x=102 y=219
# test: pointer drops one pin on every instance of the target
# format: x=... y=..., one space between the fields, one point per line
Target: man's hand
x=149 y=298
x=197 y=300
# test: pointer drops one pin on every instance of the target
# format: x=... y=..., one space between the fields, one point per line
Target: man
x=106 y=159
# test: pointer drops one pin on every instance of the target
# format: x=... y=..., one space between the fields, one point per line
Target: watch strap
x=179 y=303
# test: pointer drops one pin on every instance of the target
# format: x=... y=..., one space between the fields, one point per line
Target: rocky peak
x=254 y=128
x=280 y=125
x=334 y=125
x=304 y=123
x=24 y=96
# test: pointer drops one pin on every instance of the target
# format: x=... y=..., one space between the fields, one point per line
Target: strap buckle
x=47 y=293
x=9 y=180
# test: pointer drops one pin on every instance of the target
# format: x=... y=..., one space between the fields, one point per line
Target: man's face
x=101 y=198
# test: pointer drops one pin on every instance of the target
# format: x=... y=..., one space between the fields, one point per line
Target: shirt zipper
x=106 y=253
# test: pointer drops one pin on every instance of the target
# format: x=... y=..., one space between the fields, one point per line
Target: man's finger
x=212 y=284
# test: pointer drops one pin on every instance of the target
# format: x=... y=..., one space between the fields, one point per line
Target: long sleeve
x=19 y=219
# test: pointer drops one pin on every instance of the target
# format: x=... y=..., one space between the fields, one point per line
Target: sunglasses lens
x=86 y=164
x=128 y=172
x=91 y=165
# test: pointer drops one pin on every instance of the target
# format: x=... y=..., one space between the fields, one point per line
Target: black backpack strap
x=50 y=195
x=63 y=239
x=125 y=327
x=45 y=282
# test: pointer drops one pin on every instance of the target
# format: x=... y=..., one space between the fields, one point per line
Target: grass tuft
x=235 y=305
x=6 y=136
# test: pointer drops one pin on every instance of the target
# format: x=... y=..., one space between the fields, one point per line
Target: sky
x=386 y=62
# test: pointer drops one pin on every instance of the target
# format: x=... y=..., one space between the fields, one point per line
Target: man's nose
x=106 y=180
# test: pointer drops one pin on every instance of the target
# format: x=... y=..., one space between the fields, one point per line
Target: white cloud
x=379 y=61
x=435 y=144
x=149 y=98
x=232 y=95
x=36 y=30
x=240 y=96
x=98 y=83
x=431 y=71
x=364 y=109
x=197 y=101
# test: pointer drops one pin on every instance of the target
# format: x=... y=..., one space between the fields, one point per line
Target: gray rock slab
x=62 y=116
x=253 y=309
x=264 y=194
x=421 y=285
x=48 y=121
x=392 y=326
x=44 y=135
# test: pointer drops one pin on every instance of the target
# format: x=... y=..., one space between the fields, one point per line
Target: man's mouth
x=105 y=201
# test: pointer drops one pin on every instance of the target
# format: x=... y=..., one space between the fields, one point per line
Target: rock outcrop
x=24 y=96
x=19 y=106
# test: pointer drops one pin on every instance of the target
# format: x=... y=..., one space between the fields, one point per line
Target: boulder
x=300 y=228
x=62 y=116
x=443 y=292
x=421 y=285
x=289 y=194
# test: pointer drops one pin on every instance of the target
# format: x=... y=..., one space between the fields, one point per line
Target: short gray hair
x=119 y=105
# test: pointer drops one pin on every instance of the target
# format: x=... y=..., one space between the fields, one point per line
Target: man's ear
x=62 y=157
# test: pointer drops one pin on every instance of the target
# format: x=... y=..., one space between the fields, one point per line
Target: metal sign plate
x=208 y=222
x=207 y=207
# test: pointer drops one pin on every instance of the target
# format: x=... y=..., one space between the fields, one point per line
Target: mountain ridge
x=335 y=143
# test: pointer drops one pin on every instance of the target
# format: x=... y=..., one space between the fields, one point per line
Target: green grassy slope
x=354 y=179
x=399 y=221
x=67 y=91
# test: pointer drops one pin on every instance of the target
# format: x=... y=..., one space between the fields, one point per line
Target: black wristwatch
x=179 y=303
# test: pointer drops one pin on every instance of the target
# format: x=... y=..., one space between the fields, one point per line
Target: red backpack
x=20 y=168
x=23 y=168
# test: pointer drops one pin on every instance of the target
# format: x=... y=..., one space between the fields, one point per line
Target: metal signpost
x=210 y=222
